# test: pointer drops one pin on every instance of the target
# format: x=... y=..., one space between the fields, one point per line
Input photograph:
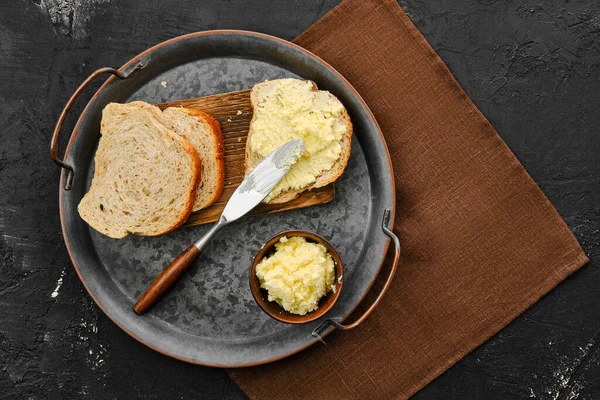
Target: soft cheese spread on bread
x=287 y=109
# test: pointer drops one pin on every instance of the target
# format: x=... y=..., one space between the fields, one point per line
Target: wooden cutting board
x=234 y=112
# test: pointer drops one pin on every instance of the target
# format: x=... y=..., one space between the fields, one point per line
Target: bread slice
x=286 y=109
x=145 y=175
x=204 y=133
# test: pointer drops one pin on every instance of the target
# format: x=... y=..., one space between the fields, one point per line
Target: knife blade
x=252 y=191
x=262 y=179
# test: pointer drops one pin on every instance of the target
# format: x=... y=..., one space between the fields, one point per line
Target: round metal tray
x=210 y=317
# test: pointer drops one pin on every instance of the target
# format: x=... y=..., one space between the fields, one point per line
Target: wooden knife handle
x=166 y=279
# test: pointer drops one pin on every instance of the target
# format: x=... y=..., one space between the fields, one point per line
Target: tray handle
x=63 y=114
x=317 y=332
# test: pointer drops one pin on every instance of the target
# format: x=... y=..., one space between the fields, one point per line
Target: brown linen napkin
x=481 y=243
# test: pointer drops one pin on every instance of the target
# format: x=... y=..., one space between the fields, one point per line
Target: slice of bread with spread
x=145 y=176
x=286 y=109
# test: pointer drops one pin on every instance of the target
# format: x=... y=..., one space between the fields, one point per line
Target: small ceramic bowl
x=273 y=309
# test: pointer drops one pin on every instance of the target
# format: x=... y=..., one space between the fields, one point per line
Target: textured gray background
x=532 y=67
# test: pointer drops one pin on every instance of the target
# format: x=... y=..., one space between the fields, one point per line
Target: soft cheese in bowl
x=296 y=277
x=297 y=274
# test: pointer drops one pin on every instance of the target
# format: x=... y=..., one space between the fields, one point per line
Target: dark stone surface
x=532 y=67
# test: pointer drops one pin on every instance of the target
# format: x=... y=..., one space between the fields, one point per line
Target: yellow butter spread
x=297 y=274
x=287 y=109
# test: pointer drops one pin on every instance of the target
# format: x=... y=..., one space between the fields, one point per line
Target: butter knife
x=251 y=192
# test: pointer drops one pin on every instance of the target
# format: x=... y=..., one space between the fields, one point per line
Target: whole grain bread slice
x=145 y=176
x=326 y=177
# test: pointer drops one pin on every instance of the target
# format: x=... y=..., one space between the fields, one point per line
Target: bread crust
x=220 y=153
x=325 y=178
x=197 y=167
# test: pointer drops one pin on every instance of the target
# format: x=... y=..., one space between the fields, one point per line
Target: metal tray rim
x=129 y=65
